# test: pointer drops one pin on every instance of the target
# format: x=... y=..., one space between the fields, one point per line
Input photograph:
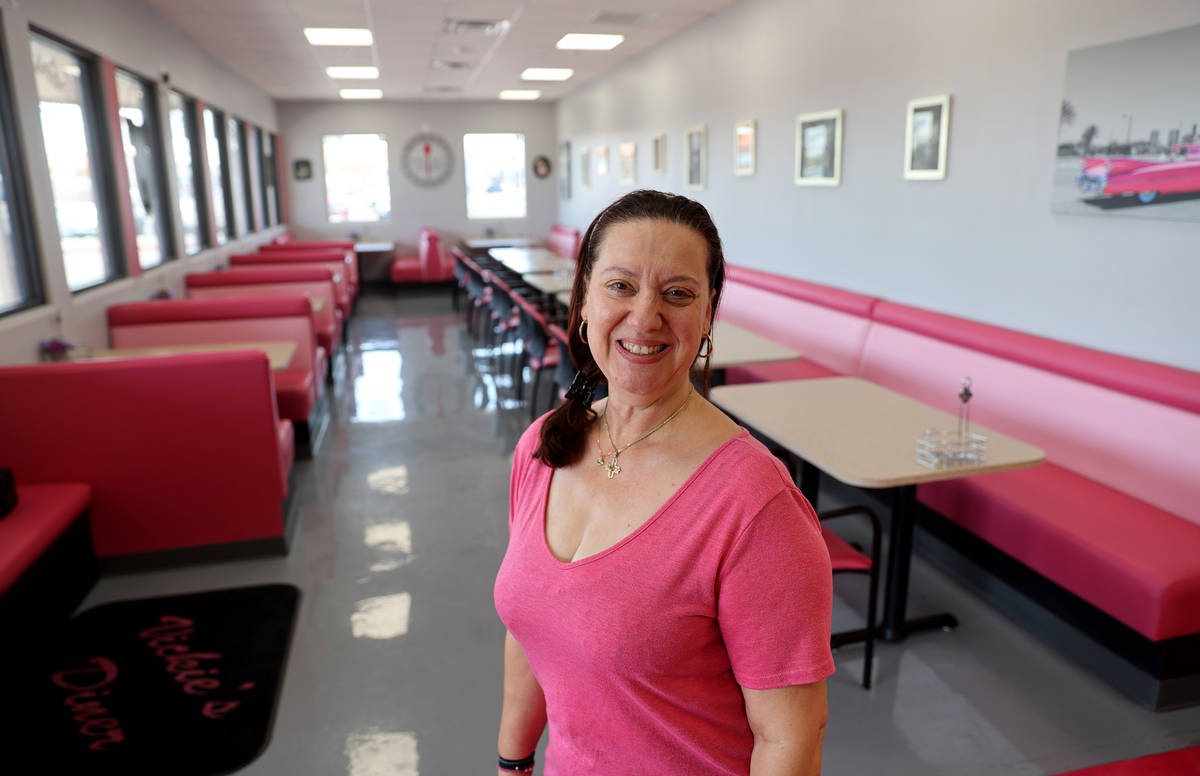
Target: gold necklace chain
x=614 y=468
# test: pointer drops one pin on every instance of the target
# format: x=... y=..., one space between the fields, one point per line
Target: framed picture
x=585 y=168
x=819 y=148
x=602 y=160
x=564 y=169
x=696 y=149
x=658 y=154
x=743 y=147
x=627 y=156
x=302 y=169
x=926 y=138
x=541 y=167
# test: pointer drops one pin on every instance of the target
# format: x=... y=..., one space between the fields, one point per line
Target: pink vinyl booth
x=185 y=456
x=335 y=261
x=298 y=387
x=564 y=241
x=427 y=266
x=346 y=246
x=312 y=281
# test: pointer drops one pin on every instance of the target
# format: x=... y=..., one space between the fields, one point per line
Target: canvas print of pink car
x=1179 y=174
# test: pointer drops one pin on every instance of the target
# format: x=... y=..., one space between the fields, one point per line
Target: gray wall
x=137 y=38
x=442 y=207
x=983 y=243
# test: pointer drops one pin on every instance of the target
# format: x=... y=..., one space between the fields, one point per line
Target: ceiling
x=418 y=55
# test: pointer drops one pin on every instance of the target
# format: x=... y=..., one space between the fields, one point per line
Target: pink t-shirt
x=641 y=649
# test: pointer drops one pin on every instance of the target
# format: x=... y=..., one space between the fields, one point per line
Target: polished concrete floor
x=396 y=665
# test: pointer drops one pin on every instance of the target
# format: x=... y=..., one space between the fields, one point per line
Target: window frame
x=191 y=115
x=100 y=156
x=166 y=225
x=24 y=244
x=220 y=120
x=247 y=187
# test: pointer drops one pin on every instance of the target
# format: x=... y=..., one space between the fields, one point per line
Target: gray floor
x=396 y=664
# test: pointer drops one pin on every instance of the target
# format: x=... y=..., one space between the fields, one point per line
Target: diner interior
x=275 y=310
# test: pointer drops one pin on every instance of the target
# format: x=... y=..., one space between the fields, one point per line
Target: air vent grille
x=624 y=18
x=452 y=64
x=475 y=27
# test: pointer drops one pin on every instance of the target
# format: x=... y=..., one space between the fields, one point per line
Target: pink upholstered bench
x=299 y=387
x=312 y=281
x=335 y=260
x=827 y=325
x=185 y=456
x=564 y=241
x=428 y=265
x=1113 y=517
x=346 y=246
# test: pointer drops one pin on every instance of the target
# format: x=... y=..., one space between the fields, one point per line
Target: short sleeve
x=775 y=598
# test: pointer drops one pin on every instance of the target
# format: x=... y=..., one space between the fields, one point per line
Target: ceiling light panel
x=582 y=41
x=338 y=36
x=367 y=72
x=546 y=73
x=361 y=94
x=520 y=94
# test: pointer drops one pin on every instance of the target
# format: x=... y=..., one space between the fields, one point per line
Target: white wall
x=442 y=207
x=983 y=243
x=137 y=38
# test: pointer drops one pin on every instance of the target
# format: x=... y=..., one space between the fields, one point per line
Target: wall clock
x=427 y=160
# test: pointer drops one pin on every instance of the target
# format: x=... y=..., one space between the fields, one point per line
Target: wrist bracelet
x=523 y=765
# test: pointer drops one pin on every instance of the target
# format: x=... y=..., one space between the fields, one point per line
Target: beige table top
x=279 y=353
x=498 y=242
x=374 y=247
x=550 y=282
x=861 y=433
x=735 y=346
x=526 y=260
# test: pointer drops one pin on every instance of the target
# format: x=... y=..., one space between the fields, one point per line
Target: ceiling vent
x=475 y=27
x=624 y=18
x=443 y=89
x=452 y=64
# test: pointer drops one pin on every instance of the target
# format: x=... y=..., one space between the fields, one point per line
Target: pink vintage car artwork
x=1178 y=174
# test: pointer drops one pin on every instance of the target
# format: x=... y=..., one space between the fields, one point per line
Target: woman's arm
x=523 y=716
x=788 y=725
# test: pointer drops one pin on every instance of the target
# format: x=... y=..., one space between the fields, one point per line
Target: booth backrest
x=313 y=282
x=564 y=241
x=429 y=249
x=178 y=450
x=824 y=324
x=345 y=246
x=335 y=262
x=224 y=319
x=1125 y=423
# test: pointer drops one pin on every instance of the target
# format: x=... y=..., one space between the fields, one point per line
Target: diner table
x=524 y=261
x=482 y=243
x=550 y=283
x=735 y=346
x=865 y=435
x=279 y=353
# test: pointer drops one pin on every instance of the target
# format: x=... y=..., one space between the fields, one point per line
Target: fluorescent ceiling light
x=338 y=36
x=546 y=73
x=520 y=94
x=361 y=94
x=582 y=41
x=364 y=72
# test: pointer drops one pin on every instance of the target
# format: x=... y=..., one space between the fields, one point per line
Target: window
x=181 y=112
x=218 y=173
x=19 y=282
x=71 y=134
x=270 y=184
x=255 y=155
x=495 y=168
x=135 y=108
x=239 y=183
x=357 y=187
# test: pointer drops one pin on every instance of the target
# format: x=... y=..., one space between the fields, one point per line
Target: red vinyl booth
x=336 y=261
x=427 y=266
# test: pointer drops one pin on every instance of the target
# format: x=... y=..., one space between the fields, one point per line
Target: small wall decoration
x=585 y=168
x=627 y=154
x=541 y=167
x=427 y=160
x=819 y=148
x=302 y=169
x=743 y=147
x=602 y=160
x=658 y=154
x=696 y=160
x=564 y=169
x=926 y=138
x=1128 y=142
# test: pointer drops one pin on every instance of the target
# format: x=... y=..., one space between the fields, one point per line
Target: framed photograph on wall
x=819 y=148
x=926 y=138
x=627 y=157
x=696 y=160
x=658 y=154
x=564 y=169
x=602 y=160
x=743 y=147
x=585 y=168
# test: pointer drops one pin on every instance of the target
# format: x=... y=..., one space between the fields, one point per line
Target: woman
x=666 y=589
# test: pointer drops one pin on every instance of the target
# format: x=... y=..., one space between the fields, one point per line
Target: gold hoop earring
x=707 y=352
x=582 y=335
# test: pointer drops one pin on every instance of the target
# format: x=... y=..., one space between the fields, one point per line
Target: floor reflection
x=378 y=390
x=381 y=754
x=381 y=617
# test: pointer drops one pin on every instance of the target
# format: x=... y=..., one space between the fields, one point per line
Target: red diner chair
x=846 y=559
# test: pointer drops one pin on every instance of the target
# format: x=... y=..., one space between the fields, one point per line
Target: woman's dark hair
x=564 y=432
